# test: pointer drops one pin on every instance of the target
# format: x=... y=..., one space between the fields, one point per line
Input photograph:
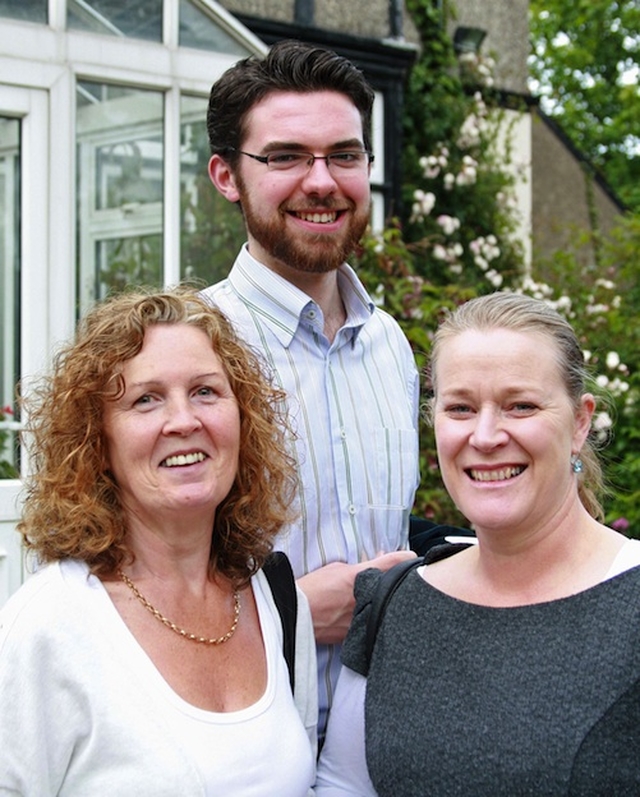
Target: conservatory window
x=139 y=19
x=198 y=30
x=120 y=188
x=25 y=10
x=212 y=229
x=9 y=292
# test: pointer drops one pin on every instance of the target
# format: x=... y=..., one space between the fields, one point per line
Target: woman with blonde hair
x=511 y=667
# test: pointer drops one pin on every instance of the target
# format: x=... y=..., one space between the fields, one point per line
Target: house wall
x=367 y=18
x=566 y=198
x=507 y=25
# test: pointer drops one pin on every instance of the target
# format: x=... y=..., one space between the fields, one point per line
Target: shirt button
x=352 y=509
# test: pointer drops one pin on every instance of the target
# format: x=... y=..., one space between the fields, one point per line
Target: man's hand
x=329 y=591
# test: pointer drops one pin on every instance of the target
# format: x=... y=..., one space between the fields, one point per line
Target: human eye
x=347 y=159
x=144 y=401
x=205 y=391
x=458 y=410
x=523 y=408
x=286 y=160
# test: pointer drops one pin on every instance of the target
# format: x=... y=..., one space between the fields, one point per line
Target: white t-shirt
x=84 y=711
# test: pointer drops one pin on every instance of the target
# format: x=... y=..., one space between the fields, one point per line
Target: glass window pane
x=9 y=292
x=120 y=188
x=28 y=10
x=140 y=19
x=200 y=31
x=212 y=230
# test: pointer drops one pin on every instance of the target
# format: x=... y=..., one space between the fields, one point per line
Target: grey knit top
x=490 y=702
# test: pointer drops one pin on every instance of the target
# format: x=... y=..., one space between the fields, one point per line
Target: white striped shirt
x=353 y=404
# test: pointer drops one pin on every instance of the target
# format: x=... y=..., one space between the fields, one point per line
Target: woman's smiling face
x=506 y=428
x=173 y=436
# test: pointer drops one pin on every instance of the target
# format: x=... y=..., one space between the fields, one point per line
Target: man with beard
x=290 y=143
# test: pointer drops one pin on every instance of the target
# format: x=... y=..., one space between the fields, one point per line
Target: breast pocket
x=393 y=484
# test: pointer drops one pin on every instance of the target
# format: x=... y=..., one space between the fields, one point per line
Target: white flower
x=494 y=278
x=449 y=181
x=430 y=166
x=617 y=386
x=602 y=380
x=593 y=309
x=613 y=360
x=449 y=224
x=439 y=252
x=602 y=421
x=586 y=354
x=467 y=176
x=423 y=204
x=378 y=296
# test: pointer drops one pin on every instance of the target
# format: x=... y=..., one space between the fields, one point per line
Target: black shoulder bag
x=277 y=569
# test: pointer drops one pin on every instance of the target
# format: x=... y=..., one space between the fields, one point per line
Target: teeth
x=495 y=475
x=183 y=459
x=318 y=218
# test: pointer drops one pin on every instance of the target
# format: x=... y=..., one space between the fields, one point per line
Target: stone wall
x=505 y=21
x=566 y=197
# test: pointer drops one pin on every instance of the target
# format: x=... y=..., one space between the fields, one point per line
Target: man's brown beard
x=318 y=254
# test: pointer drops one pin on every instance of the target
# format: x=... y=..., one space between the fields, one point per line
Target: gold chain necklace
x=180 y=631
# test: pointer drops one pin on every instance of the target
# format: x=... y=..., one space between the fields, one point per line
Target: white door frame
x=31 y=107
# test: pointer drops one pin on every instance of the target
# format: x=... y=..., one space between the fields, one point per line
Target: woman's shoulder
x=628 y=557
x=44 y=598
x=354 y=649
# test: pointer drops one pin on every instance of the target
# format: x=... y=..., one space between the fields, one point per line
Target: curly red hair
x=72 y=507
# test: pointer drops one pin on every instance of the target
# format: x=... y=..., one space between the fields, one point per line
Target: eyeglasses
x=300 y=162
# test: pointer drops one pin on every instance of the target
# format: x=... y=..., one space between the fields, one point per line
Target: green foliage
x=458 y=191
x=8 y=469
x=585 y=61
x=406 y=272
x=602 y=304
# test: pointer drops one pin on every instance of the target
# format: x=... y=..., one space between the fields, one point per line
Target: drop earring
x=576 y=464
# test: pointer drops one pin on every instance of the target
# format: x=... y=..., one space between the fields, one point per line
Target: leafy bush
x=455 y=241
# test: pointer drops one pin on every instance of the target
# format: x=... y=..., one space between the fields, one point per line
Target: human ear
x=583 y=420
x=222 y=176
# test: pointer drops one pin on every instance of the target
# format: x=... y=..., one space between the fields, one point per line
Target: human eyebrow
x=152 y=384
x=339 y=146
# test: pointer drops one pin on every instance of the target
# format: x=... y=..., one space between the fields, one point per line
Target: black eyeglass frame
x=311 y=159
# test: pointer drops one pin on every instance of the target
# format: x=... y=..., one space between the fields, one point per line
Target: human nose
x=319 y=177
x=181 y=417
x=488 y=431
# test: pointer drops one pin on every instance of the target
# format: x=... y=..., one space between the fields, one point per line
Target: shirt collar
x=282 y=305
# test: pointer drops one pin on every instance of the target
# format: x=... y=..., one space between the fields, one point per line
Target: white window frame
x=39 y=67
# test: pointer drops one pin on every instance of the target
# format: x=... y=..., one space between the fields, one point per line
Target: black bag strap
x=282 y=582
x=387 y=585
x=392 y=578
x=425 y=534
